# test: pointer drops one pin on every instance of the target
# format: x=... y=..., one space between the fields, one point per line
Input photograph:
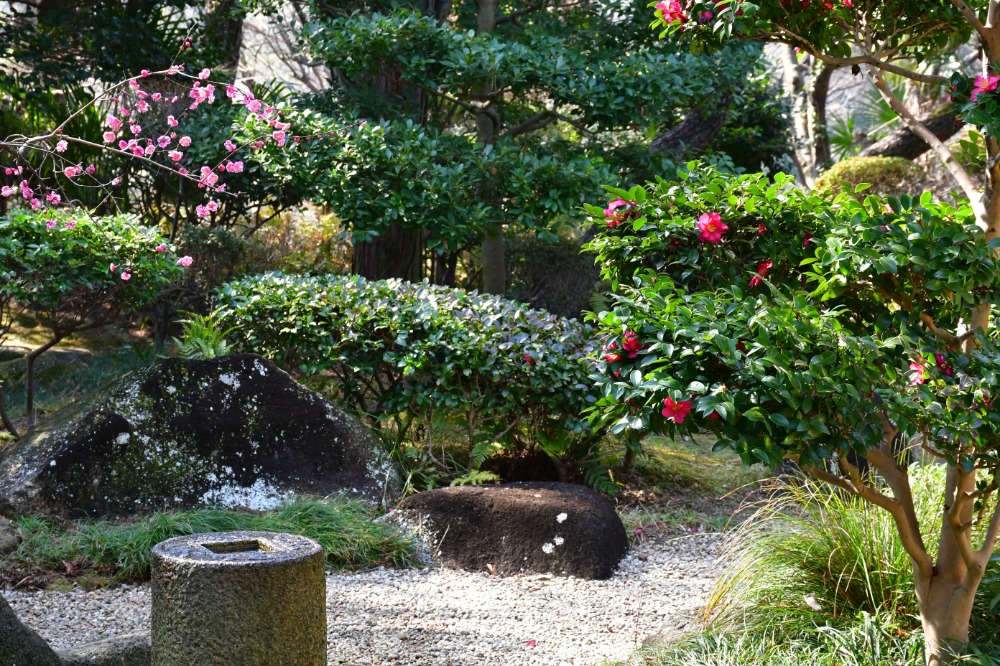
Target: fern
x=474 y=478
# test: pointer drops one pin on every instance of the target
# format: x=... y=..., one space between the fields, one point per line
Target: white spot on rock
x=548 y=548
x=558 y=541
x=561 y=518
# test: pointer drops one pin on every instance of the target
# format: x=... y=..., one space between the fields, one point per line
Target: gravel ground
x=438 y=617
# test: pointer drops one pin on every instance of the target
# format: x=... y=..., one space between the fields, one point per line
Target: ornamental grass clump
x=516 y=380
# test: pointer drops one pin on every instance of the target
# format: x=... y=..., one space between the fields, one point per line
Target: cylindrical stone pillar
x=239 y=599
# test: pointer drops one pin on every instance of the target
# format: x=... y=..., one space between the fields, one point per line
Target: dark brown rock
x=233 y=431
x=20 y=646
x=539 y=527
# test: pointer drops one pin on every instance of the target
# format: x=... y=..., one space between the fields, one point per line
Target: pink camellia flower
x=676 y=411
x=229 y=145
x=942 y=365
x=61 y=146
x=671 y=11
x=126 y=275
x=631 y=344
x=109 y=137
x=175 y=155
x=50 y=224
x=612 y=358
x=71 y=224
x=984 y=84
x=204 y=74
x=762 y=270
x=162 y=247
x=279 y=137
x=615 y=218
x=114 y=123
x=529 y=359
x=253 y=105
x=712 y=227
x=111 y=267
x=918 y=373
x=185 y=261
x=184 y=141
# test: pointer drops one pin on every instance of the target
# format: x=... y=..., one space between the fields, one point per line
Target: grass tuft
x=342 y=526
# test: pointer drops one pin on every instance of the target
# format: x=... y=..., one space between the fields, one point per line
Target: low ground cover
x=98 y=552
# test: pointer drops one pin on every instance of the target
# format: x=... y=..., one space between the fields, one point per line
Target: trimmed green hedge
x=516 y=379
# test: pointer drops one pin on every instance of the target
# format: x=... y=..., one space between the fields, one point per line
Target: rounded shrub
x=515 y=379
x=888 y=176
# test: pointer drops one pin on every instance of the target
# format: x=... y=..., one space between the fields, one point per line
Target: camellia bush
x=516 y=378
x=74 y=273
x=791 y=326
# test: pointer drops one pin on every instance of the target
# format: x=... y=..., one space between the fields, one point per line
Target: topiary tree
x=791 y=326
x=74 y=273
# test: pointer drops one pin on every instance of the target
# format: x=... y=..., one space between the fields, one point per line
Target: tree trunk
x=794 y=76
x=945 y=610
x=943 y=122
x=692 y=136
x=818 y=93
x=29 y=378
x=396 y=253
x=487 y=128
x=224 y=22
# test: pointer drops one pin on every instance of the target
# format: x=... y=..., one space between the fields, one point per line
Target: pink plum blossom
x=61 y=146
x=172 y=121
x=175 y=155
x=109 y=137
x=162 y=247
x=184 y=141
x=71 y=224
x=50 y=224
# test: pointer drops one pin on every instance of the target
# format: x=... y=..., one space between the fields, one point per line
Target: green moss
x=888 y=176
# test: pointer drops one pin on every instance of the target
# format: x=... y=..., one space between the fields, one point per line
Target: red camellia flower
x=942 y=365
x=712 y=227
x=631 y=344
x=676 y=411
x=762 y=270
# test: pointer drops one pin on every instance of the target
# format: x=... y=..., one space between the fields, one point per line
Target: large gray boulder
x=537 y=527
x=20 y=646
x=234 y=431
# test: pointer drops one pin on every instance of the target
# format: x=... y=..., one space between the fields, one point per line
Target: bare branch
x=973 y=20
x=958 y=172
x=990 y=542
x=513 y=16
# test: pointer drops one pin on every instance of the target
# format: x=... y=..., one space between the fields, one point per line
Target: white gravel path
x=438 y=617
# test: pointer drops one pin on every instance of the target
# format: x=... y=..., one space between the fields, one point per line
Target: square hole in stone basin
x=249 y=546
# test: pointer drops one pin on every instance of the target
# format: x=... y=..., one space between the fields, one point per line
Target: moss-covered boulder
x=234 y=431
